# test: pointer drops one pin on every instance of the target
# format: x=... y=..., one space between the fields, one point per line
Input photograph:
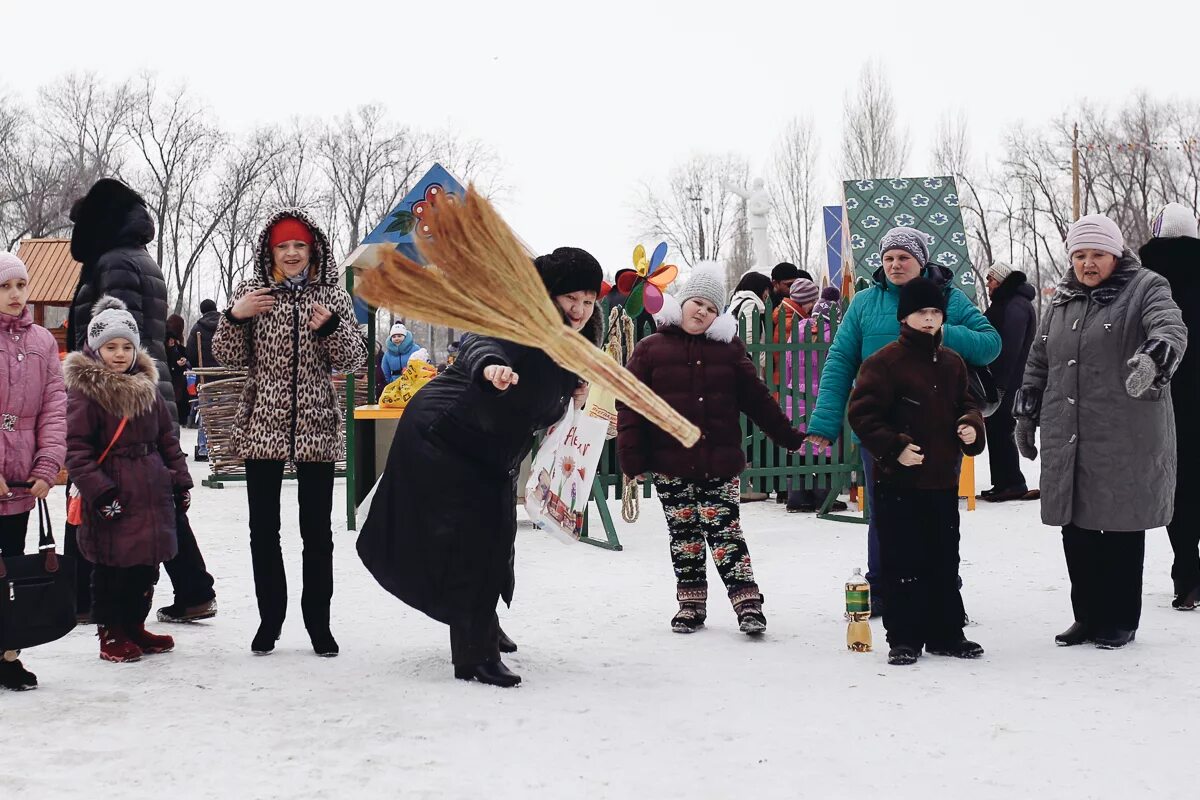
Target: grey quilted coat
x=1108 y=460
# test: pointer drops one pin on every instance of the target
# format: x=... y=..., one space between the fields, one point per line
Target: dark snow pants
x=12 y=534
x=918 y=542
x=122 y=595
x=264 y=481
x=1106 y=577
x=1003 y=458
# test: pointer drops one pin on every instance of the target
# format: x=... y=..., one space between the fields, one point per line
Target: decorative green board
x=928 y=204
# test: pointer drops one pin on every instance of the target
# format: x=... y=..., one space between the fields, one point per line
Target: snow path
x=614 y=704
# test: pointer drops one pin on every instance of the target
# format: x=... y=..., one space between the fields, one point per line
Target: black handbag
x=982 y=386
x=37 y=592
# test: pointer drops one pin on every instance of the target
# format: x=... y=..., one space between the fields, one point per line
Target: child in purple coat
x=131 y=478
x=33 y=426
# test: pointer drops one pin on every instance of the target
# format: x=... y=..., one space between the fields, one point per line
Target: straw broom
x=484 y=282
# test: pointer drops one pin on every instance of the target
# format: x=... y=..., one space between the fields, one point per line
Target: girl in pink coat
x=33 y=425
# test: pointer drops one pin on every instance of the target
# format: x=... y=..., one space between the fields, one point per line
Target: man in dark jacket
x=1174 y=253
x=1013 y=315
x=199 y=343
x=112 y=229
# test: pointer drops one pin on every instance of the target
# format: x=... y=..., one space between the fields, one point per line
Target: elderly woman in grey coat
x=1097 y=382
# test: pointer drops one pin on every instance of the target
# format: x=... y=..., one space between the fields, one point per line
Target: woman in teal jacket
x=870 y=324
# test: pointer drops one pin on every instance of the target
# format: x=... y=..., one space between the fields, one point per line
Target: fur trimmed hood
x=325 y=271
x=124 y=395
x=723 y=329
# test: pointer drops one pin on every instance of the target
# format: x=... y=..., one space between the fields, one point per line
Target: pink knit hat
x=12 y=267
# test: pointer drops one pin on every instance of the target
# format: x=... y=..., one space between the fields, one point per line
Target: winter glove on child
x=1026 y=428
x=109 y=506
x=1153 y=365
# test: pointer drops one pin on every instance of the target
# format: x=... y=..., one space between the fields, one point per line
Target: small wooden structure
x=53 y=276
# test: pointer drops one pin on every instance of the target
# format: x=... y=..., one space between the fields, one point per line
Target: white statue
x=758 y=209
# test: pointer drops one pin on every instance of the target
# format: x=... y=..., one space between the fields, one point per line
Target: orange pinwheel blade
x=665 y=276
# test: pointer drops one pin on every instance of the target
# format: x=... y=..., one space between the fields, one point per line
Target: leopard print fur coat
x=289 y=409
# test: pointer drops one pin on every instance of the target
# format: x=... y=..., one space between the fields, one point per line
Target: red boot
x=150 y=643
x=116 y=646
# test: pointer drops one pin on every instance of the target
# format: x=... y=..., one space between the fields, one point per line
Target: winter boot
x=963 y=648
x=14 y=676
x=690 y=617
x=150 y=643
x=1006 y=495
x=1078 y=633
x=902 y=655
x=748 y=607
x=507 y=645
x=1114 y=639
x=1186 y=601
x=115 y=645
x=323 y=643
x=493 y=673
x=264 y=640
x=180 y=613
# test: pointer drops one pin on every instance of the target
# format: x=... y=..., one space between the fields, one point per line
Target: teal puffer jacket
x=870 y=324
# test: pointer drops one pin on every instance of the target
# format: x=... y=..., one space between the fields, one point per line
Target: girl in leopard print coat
x=290 y=327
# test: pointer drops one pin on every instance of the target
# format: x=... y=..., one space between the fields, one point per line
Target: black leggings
x=12 y=534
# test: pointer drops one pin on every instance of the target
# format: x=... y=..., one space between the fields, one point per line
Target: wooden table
x=362 y=449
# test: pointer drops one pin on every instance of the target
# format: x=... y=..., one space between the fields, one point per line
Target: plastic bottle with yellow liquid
x=858 y=613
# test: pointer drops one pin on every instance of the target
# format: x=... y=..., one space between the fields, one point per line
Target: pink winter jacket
x=33 y=408
x=802 y=375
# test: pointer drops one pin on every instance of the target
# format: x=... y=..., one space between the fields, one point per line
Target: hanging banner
x=833 y=243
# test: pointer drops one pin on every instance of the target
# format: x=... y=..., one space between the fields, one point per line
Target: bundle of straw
x=484 y=282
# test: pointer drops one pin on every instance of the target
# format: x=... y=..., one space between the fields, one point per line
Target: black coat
x=112 y=229
x=199 y=343
x=441 y=528
x=1178 y=260
x=1012 y=314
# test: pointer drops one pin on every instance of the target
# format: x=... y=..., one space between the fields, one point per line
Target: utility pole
x=1075 y=171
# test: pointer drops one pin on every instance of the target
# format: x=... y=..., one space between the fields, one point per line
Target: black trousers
x=1003 y=457
x=1106 y=577
x=918 y=540
x=189 y=574
x=12 y=534
x=475 y=637
x=1184 y=531
x=122 y=595
x=264 y=479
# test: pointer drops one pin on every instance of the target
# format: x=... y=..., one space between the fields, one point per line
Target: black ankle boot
x=492 y=673
x=14 y=677
x=323 y=643
x=1076 y=634
x=507 y=645
x=264 y=640
x=1113 y=639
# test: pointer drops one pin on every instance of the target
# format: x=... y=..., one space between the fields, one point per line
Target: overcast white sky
x=584 y=100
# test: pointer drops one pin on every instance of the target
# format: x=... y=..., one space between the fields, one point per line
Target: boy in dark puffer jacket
x=912 y=411
x=697 y=364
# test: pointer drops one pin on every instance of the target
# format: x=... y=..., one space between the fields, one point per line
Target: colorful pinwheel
x=645 y=284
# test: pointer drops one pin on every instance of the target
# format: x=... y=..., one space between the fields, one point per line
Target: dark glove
x=1027 y=402
x=109 y=506
x=183 y=500
x=1024 y=436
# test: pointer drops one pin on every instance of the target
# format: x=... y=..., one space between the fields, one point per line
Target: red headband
x=290 y=229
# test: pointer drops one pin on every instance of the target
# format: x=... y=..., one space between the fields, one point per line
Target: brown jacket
x=289 y=410
x=914 y=391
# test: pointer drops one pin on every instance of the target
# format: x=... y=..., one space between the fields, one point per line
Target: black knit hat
x=569 y=269
x=785 y=271
x=920 y=293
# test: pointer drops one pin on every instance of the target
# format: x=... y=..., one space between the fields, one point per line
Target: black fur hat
x=569 y=269
x=104 y=214
x=920 y=293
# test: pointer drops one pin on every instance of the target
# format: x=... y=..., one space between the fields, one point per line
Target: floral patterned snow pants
x=706 y=510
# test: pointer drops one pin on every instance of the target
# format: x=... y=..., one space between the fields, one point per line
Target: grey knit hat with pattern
x=910 y=240
x=707 y=281
x=111 y=320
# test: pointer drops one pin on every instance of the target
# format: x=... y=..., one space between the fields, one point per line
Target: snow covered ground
x=614 y=704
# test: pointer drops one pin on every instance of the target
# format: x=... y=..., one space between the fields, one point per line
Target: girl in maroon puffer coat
x=697 y=364
x=33 y=426
x=124 y=457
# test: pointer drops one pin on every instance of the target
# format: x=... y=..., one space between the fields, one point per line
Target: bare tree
x=471 y=160
x=370 y=163
x=37 y=185
x=296 y=178
x=795 y=206
x=239 y=208
x=952 y=156
x=89 y=123
x=872 y=147
x=694 y=214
